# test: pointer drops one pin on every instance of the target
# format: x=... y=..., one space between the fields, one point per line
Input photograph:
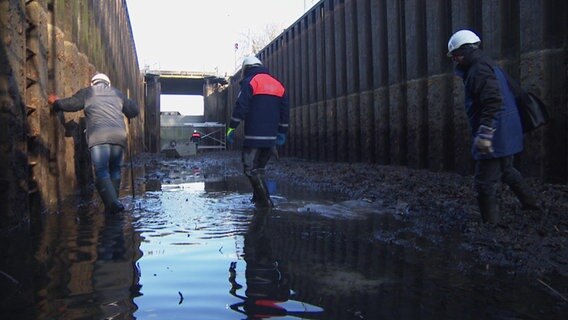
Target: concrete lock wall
x=369 y=80
x=55 y=46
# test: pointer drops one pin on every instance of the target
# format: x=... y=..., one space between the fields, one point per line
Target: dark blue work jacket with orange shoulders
x=263 y=105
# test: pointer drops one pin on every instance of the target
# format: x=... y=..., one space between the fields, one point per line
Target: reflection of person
x=262 y=104
x=115 y=277
x=267 y=280
x=495 y=124
x=105 y=108
x=266 y=283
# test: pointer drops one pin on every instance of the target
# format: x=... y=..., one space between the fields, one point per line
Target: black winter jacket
x=489 y=101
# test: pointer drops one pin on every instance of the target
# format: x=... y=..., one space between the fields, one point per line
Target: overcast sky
x=200 y=35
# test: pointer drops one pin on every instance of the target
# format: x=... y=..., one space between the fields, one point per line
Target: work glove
x=280 y=139
x=483 y=139
x=230 y=135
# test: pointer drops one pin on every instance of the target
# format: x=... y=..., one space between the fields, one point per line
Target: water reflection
x=89 y=266
x=314 y=256
x=268 y=293
x=115 y=276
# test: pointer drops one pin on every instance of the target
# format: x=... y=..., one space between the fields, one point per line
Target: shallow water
x=195 y=249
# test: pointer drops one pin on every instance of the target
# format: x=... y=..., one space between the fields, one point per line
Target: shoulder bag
x=532 y=110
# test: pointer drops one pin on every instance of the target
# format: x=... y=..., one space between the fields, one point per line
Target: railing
x=180 y=74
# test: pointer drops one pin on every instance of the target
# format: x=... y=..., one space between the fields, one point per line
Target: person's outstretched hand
x=52 y=98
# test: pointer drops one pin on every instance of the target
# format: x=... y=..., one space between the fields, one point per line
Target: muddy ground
x=437 y=207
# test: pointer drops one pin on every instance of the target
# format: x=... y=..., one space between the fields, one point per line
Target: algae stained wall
x=369 y=80
x=55 y=46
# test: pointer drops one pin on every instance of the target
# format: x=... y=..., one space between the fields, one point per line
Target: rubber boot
x=260 y=197
x=108 y=195
x=116 y=185
x=270 y=203
x=528 y=201
x=255 y=190
x=489 y=209
x=255 y=197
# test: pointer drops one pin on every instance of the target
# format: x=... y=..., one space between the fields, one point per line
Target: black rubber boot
x=108 y=195
x=489 y=209
x=260 y=197
x=116 y=185
x=254 y=198
x=269 y=203
x=528 y=201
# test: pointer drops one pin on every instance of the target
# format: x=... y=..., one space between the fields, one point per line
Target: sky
x=200 y=35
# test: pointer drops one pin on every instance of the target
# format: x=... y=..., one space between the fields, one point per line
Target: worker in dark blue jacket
x=105 y=108
x=262 y=104
x=496 y=127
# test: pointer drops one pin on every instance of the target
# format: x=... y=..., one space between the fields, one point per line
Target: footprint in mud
x=350 y=209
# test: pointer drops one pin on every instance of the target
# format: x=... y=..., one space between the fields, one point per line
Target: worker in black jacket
x=262 y=104
x=495 y=123
x=105 y=108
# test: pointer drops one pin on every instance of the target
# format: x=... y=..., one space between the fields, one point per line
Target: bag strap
x=522 y=97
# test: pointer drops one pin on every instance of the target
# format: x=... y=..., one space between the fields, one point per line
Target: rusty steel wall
x=55 y=46
x=369 y=80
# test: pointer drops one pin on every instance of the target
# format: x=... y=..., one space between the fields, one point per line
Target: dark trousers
x=489 y=172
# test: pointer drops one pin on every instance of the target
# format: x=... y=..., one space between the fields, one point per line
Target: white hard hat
x=100 y=77
x=460 y=38
x=251 y=61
